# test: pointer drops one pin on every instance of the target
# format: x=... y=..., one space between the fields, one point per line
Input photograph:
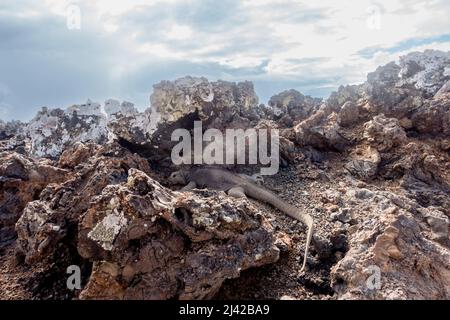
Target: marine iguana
x=240 y=186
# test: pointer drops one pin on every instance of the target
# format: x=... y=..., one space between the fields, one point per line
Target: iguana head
x=178 y=177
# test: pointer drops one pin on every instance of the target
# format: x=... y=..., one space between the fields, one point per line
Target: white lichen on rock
x=52 y=130
x=427 y=70
x=105 y=232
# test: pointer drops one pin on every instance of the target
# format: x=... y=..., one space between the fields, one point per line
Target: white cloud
x=179 y=32
x=301 y=43
x=337 y=30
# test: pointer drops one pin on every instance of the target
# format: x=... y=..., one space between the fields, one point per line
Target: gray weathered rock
x=389 y=256
x=427 y=71
x=219 y=101
x=349 y=114
x=21 y=181
x=10 y=129
x=293 y=105
x=364 y=162
x=384 y=133
x=52 y=130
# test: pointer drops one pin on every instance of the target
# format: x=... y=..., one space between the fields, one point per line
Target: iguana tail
x=264 y=195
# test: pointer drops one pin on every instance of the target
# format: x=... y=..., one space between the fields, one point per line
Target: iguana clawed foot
x=237 y=192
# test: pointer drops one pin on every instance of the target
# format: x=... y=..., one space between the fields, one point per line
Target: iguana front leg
x=191 y=185
x=237 y=192
x=259 y=179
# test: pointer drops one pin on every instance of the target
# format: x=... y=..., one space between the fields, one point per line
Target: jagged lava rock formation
x=86 y=186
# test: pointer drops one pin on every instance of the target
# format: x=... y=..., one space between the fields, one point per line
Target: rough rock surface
x=10 y=129
x=53 y=130
x=384 y=133
x=427 y=71
x=321 y=130
x=218 y=100
x=391 y=238
x=148 y=242
x=52 y=216
x=21 y=181
x=370 y=164
x=127 y=123
x=145 y=241
x=178 y=104
x=293 y=106
x=434 y=116
x=364 y=161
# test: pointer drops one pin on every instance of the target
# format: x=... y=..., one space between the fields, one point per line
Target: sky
x=57 y=53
